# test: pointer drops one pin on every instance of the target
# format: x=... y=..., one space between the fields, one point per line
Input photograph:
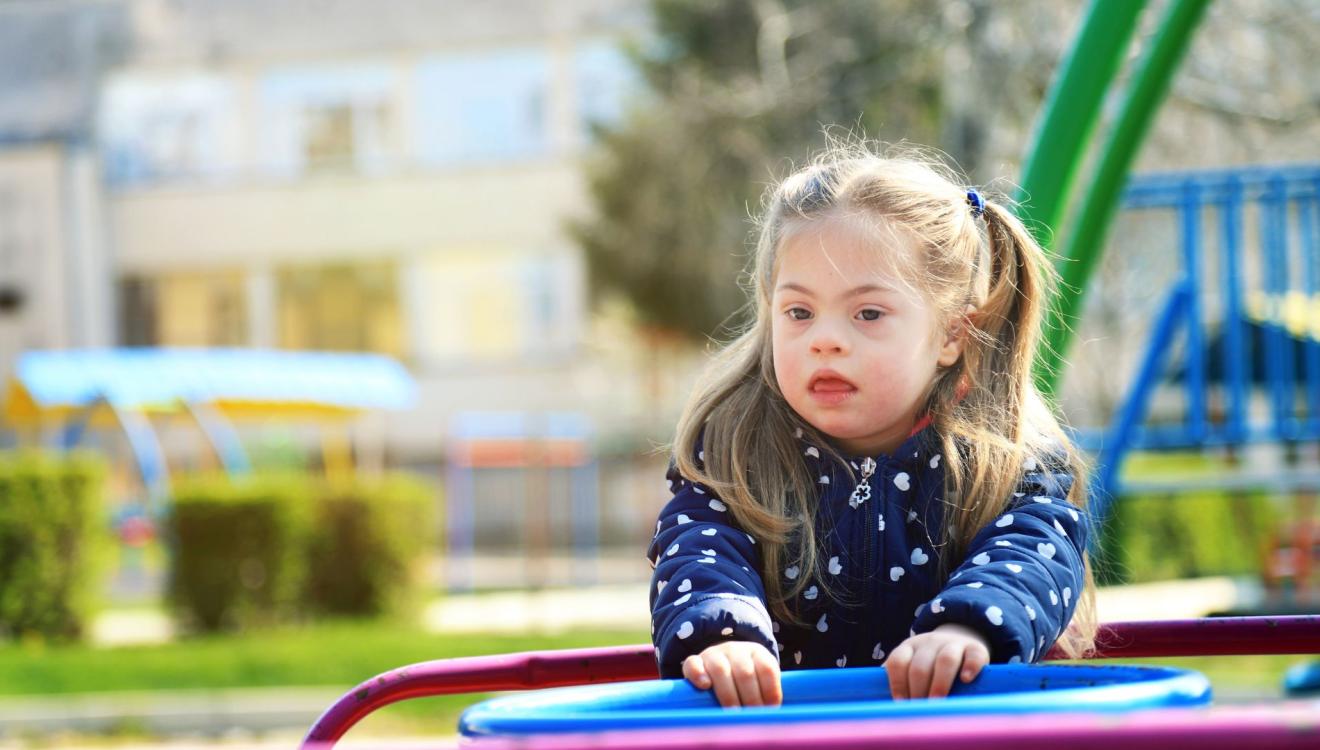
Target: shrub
x=261 y=550
x=1159 y=537
x=238 y=551
x=368 y=546
x=51 y=543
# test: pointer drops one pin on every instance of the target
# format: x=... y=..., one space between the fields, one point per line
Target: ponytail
x=1002 y=421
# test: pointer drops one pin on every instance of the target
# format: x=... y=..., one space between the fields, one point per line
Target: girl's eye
x=870 y=314
x=798 y=313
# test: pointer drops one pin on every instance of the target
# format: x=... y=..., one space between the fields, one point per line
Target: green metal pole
x=1071 y=112
x=1086 y=237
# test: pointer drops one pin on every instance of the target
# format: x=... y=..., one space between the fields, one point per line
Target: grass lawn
x=338 y=654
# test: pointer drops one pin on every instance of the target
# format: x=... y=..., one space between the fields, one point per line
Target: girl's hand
x=742 y=673
x=925 y=665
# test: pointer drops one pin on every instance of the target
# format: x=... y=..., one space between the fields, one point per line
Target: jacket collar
x=914 y=453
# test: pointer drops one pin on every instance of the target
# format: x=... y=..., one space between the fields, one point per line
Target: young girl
x=868 y=475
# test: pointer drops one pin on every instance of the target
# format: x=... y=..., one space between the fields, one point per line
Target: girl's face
x=855 y=346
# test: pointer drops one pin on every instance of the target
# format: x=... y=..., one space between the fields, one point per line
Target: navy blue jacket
x=1017 y=586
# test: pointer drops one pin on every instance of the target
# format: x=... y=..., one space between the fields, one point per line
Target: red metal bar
x=541 y=669
x=1210 y=636
x=477 y=674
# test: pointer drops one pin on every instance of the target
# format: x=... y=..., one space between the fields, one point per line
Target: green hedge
x=1158 y=537
x=238 y=555
x=265 y=550
x=368 y=547
x=52 y=521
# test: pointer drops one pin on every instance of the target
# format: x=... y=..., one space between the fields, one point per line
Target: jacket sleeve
x=1023 y=574
x=705 y=586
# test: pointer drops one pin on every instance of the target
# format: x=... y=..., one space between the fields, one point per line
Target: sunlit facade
x=408 y=197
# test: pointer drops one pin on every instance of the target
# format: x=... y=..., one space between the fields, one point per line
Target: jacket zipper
x=861 y=493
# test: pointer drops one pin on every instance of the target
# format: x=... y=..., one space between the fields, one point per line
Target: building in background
x=56 y=270
x=390 y=177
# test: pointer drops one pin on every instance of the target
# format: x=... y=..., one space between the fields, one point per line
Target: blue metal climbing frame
x=1239 y=331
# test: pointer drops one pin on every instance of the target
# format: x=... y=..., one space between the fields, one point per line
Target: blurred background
x=343 y=334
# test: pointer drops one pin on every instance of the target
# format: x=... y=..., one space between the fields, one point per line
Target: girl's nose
x=828 y=339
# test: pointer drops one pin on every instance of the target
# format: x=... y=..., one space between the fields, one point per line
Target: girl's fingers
x=767 y=673
x=721 y=678
x=974 y=660
x=919 y=671
x=745 y=679
x=945 y=669
x=896 y=667
x=694 y=669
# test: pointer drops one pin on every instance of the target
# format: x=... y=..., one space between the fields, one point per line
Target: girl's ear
x=956 y=337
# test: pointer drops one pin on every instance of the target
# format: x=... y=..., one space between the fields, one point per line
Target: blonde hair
x=985 y=409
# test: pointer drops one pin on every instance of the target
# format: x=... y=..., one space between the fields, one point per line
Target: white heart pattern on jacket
x=919 y=556
x=981 y=559
x=901 y=481
x=791 y=572
x=835 y=567
x=821 y=625
x=709 y=532
x=994 y=615
x=1005 y=521
x=1046 y=550
x=937 y=606
x=896 y=573
x=878 y=653
x=810 y=593
x=685 y=630
x=686 y=585
x=717 y=505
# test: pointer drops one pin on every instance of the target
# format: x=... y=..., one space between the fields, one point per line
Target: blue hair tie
x=977 y=203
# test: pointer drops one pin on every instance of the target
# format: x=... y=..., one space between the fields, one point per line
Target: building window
x=323 y=120
x=604 y=79
x=491 y=106
x=190 y=309
x=352 y=307
x=178 y=128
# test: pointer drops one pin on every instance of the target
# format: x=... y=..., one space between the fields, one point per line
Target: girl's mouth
x=830 y=391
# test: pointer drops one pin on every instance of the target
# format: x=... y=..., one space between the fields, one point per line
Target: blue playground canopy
x=229 y=379
x=77 y=389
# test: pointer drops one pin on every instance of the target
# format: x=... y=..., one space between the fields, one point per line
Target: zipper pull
x=862 y=492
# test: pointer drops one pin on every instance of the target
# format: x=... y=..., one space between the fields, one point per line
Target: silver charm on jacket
x=862 y=492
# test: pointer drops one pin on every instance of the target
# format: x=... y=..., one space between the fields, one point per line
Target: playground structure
x=1293 y=724
x=1236 y=342
x=1070 y=117
x=59 y=398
